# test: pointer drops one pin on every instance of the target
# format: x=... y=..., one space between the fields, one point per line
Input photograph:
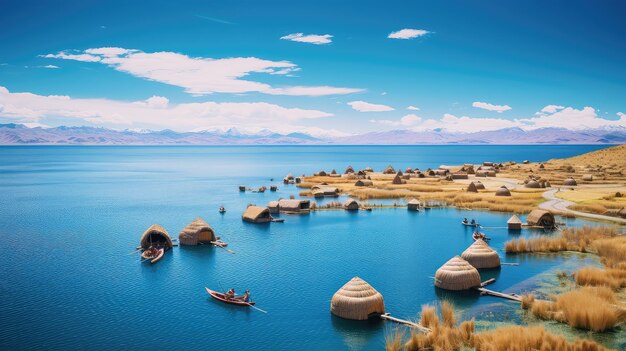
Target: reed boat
x=470 y=224
x=237 y=300
x=479 y=235
x=159 y=256
x=152 y=254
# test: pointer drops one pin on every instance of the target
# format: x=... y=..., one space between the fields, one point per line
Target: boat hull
x=221 y=297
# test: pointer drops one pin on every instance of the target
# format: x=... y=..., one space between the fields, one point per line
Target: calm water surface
x=70 y=216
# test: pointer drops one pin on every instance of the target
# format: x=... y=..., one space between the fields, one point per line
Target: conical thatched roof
x=514 y=220
x=195 y=232
x=155 y=235
x=457 y=274
x=533 y=184
x=357 y=300
x=480 y=255
x=503 y=191
x=479 y=185
x=333 y=171
x=472 y=188
x=389 y=170
x=349 y=170
x=397 y=180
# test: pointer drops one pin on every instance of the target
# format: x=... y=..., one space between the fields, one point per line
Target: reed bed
x=571 y=239
x=447 y=335
x=611 y=277
x=591 y=308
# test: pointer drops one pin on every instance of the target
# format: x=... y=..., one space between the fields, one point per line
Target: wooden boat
x=479 y=235
x=153 y=254
x=278 y=220
x=159 y=256
x=222 y=209
x=219 y=243
x=469 y=224
x=237 y=300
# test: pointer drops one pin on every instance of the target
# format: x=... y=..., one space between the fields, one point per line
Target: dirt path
x=560 y=205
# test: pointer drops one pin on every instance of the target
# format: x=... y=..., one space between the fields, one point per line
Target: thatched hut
x=399 y=173
x=317 y=193
x=389 y=170
x=294 y=206
x=398 y=180
x=460 y=175
x=587 y=177
x=273 y=188
x=351 y=205
x=457 y=274
x=333 y=171
x=548 y=185
x=490 y=173
x=273 y=206
x=414 y=205
x=256 y=214
x=480 y=255
x=540 y=218
x=488 y=164
x=503 y=191
x=349 y=170
x=363 y=182
x=242 y=188
x=479 y=185
x=357 y=300
x=369 y=169
x=289 y=176
x=408 y=170
x=481 y=174
x=570 y=182
x=196 y=232
x=514 y=223
x=329 y=191
x=155 y=236
x=533 y=184
x=471 y=188
x=541 y=166
x=321 y=173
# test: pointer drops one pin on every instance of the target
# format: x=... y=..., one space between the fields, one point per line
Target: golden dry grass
x=591 y=308
x=445 y=335
x=571 y=239
x=611 y=277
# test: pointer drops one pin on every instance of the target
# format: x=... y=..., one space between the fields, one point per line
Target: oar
x=134 y=252
x=256 y=308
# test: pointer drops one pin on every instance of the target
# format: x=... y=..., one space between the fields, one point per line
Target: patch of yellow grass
x=571 y=239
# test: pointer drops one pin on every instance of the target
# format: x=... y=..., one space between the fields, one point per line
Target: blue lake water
x=70 y=216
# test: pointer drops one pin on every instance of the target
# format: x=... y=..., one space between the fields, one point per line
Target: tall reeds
x=571 y=239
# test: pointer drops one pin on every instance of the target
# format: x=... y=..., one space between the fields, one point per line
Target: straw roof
x=196 y=232
x=457 y=274
x=389 y=170
x=357 y=300
x=570 y=182
x=333 y=171
x=155 y=235
x=349 y=170
x=322 y=173
x=398 y=180
x=514 y=223
x=256 y=214
x=480 y=255
x=363 y=182
x=533 y=184
x=414 y=205
x=540 y=218
x=472 y=188
x=273 y=206
x=503 y=191
x=290 y=205
x=351 y=205
x=479 y=185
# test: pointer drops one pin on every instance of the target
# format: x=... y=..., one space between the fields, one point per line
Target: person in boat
x=473 y=222
x=230 y=294
x=465 y=220
x=245 y=297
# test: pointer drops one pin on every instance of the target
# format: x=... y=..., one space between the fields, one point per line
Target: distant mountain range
x=18 y=134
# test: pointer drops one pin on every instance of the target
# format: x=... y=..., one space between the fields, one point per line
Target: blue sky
x=196 y=65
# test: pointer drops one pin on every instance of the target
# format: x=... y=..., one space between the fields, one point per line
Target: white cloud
x=198 y=75
x=413 y=108
x=571 y=118
x=551 y=108
x=157 y=113
x=491 y=107
x=406 y=121
x=407 y=33
x=363 y=106
x=317 y=39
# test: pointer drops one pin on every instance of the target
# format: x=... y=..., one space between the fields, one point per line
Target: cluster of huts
x=195 y=233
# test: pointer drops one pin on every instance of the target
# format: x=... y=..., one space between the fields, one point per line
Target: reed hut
x=533 y=184
x=480 y=255
x=298 y=180
x=408 y=170
x=399 y=173
x=349 y=170
x=317 y=193
x=548 y=185
x=570 y=182
x=488 y=164
x=460 y=175
x=196 y=232
x=333 y=171
x=503 y=191
x=481 y=174
x=398 y=180
x=414 y=205
x=256 y=214
x=273 y=188
x=541 y=218
x=514 y=223
x=363 y=182
x=541 y=166
x=242 y=188
x=587 y=177
x=329 y=191
x=471 y=188
x=294 y=206
x=351 y=205
x=490 y=173
x=369 y=169
x=155 y=236
x=457 y=274
x=479 y=185
x=289 y=176
x=389 y=170
x=441 y=172
x=274 y=207
x=357 y=300
x=321 y=173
